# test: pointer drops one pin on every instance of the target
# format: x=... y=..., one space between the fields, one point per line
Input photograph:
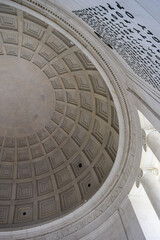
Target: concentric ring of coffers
x=51 y=165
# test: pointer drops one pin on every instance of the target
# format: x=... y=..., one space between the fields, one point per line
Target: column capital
x=152 y=170
x=139 y=176
x=142 y=172
x=144 y=140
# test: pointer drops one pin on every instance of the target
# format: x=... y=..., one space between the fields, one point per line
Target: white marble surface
x=81 y=224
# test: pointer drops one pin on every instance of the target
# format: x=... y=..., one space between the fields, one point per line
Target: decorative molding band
x=108 y=198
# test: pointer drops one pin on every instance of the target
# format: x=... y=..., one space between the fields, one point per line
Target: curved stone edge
x=123 y=174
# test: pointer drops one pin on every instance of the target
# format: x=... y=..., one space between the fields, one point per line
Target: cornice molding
x=109 y=197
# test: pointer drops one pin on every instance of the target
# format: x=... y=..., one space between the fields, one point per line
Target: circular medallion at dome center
x=26 y=97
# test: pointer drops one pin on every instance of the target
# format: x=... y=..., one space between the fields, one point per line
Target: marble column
x=152 y=188
x=153 y=141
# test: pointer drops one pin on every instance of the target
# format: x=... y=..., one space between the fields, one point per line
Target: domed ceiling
x=58 y=123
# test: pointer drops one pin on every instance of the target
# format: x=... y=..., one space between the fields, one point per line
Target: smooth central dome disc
x=26 y=97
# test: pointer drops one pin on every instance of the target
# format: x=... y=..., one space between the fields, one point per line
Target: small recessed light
x=80 y=165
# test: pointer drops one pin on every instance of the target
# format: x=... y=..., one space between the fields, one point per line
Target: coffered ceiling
x=58 y=123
